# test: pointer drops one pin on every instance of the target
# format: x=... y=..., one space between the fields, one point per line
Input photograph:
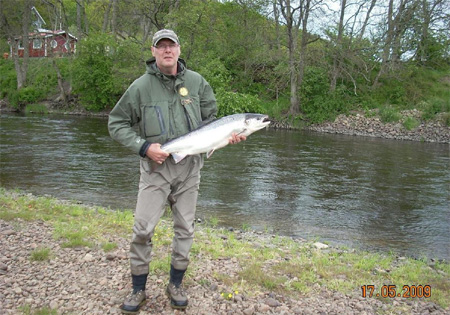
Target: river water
x=367 y=193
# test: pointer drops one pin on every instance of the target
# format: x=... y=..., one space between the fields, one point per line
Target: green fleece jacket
x=157 y=107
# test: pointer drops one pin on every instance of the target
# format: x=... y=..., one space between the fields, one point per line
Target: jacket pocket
x=192 y=107
x=154 y=119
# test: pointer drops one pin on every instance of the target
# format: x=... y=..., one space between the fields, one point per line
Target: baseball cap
x=165 y=34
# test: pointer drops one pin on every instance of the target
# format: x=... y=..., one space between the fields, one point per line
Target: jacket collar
x=152 y=68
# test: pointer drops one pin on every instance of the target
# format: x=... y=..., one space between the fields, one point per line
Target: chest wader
x=178 y=184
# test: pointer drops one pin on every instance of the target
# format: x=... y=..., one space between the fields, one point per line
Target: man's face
x=166 y=54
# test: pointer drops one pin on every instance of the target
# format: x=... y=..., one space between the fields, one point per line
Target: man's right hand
x=155 y=153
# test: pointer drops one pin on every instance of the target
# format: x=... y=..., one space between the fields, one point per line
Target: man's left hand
x=235 y=138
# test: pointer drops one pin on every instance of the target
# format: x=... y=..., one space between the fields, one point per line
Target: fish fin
x=177 y=157
x=209 y=153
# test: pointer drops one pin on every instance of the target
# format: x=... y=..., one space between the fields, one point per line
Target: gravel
x=359 y=124
x=90 y=281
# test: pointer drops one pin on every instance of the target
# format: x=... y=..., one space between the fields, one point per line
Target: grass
x=40 y=254
x=411 y=123
x=36 y=108
x=264 y=263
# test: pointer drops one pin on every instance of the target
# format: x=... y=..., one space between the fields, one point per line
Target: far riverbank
x=367 y=124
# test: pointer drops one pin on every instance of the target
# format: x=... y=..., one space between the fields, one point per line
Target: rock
x=110 y=257
x=3 y=266
x=319 y=245
x=8 y=232
x=88 y=258
x=272 y=302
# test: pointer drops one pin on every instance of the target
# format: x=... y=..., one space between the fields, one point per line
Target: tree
x=396 y=21
x=16 y=22
x=296 y=16
x=337 y=59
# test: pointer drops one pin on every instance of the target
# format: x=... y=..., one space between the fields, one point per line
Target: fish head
x=255 y=122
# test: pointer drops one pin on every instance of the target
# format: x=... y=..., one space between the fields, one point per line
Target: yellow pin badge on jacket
x=183 y=91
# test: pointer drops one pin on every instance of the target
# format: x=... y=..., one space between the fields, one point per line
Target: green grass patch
x=36 y=109
x=109 y=246
x=28 y=310
x=40 y=254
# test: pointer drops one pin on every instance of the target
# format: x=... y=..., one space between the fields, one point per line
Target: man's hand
x=235 y=138
x=155 y=153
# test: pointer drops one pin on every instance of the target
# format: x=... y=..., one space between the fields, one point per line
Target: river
x=367 y=193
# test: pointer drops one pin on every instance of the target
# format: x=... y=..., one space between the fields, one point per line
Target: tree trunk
x=276 y=14
x=366 y=20
x=106 y=17
x=21 y=64
x=62 y=92
x=79 y=27
x=114 y=17
x=387 y=42
x=338 y=48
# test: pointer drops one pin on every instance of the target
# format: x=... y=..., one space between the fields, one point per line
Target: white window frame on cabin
x=37 y=43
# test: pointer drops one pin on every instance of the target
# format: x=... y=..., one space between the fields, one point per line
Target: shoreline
x=354 y=124
x=222 y=278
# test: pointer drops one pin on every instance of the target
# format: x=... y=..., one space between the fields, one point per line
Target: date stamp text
x=391 y=291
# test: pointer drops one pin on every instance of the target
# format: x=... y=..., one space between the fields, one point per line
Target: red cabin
x=46 y=43
x=43 y=42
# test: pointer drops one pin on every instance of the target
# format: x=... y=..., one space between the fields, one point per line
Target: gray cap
x=169 y=34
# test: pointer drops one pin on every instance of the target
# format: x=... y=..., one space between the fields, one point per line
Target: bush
x=411 y=123
x=433 y=107
x=92 y=70
x=215 y=72
x=230 y=103
x=8 y=82
x=31 y=94
x=389 y=114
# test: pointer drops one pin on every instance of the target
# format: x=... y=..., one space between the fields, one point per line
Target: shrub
x=8 y=82
x=389 y=114
x=31 y=94
x=411 y=123
x=230 y=103
x=433 y=107
x=92 y=70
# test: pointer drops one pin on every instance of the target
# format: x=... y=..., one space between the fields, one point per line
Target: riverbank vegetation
x=262 y=262
x=259 y=56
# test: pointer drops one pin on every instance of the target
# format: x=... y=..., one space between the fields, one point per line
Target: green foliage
x=243 y=55
x=214 y=71
x=93 y=78
x=30 y=94
x=317 y=102
x=434 y=106
x=411 y=123
x=231 y=103
x=129 y=58
x=389 y=114
x=8 y=82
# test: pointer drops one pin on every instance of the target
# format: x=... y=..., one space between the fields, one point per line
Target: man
x=166 y=102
